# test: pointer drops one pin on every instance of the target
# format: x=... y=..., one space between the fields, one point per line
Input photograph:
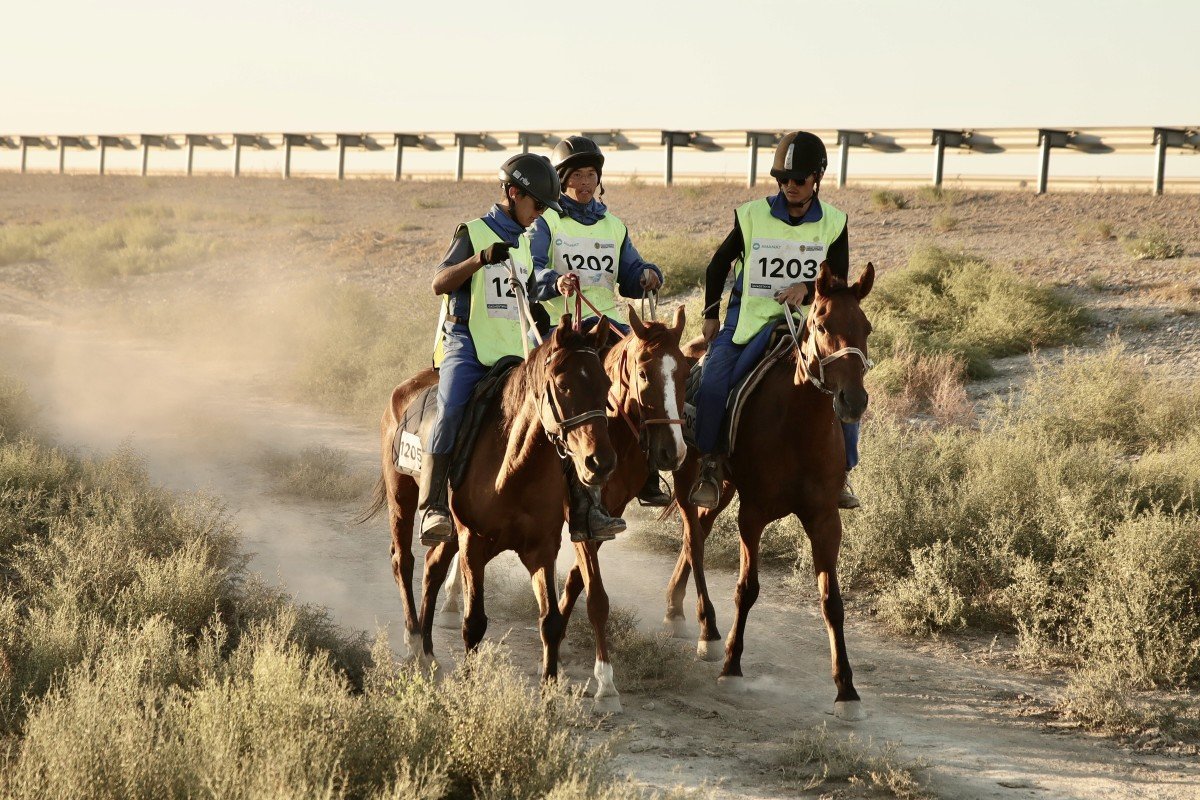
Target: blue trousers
x=459 y=374
x=725 y=365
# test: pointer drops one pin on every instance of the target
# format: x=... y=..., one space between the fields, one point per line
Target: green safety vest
x=777 y=255
x=593 y=252
x=494 y=322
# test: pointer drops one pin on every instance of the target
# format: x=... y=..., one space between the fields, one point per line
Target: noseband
x=806 y=351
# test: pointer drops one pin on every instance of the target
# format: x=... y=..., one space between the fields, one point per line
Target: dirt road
x=204 y=428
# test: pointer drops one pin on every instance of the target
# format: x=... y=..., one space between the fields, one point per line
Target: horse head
x=833 y=347
x=650 y=372
x=571 y=388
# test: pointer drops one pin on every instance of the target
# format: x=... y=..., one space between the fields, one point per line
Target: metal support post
x=237 y=156
x=843 y=161
x=669 y=173
x=1160 y=162
x=24 y=154
x=191 y=151
x=341 y=174
x=287 y=156
x=458 y=169
x=1044 y=167
x=103 y=153
x=939 y=158
x=399 y=157
x=145 y=157
x=62 y=156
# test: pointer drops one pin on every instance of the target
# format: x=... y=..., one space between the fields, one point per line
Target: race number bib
x=408 y=453
x=593 y=260
x=775 y=264
x=501 y=297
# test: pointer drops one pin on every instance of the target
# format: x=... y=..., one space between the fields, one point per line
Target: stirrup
x=848 y=499
x=705 y=493
x=436 y=527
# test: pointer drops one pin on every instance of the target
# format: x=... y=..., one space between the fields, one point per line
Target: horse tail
x=378 y=501
x=666 y=513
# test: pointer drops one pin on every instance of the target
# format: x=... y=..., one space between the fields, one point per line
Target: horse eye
x=821 y=329
x=642 y=375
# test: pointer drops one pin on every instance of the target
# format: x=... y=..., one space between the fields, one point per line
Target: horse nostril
x=592 y=463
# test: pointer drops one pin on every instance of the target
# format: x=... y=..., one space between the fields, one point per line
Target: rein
x=803 y=357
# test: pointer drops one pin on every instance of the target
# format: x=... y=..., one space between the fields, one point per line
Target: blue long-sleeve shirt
x=460 y=250
x=630 y=265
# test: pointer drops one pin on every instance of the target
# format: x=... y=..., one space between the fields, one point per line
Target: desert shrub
x=909 y=382
x=316 y=473
x=1104 y=696
x=136 y=245
x=937 y=194
x=945 y=302
x=1093 y=230
x=818 y=757
x=640 y=660
x=1142 y=608
x=886 y=199
x=682 y=259
x=1153 y=245
x=945 y=222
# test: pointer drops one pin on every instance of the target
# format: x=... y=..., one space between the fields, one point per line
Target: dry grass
x=888 y=200
x=817 y=758
x=682 y=259
x=945 y=222
x=316 y=473
x=640 y=660
x=937 y=194
x=1153 y=245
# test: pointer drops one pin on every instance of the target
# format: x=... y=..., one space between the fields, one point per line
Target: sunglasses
x=538 y=205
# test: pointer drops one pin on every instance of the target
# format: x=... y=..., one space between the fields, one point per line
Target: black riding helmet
x=534 y=175
x=576 y=152
x=799 y=155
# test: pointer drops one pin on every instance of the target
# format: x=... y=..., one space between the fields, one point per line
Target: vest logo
x=558 y=242
x=755 y=246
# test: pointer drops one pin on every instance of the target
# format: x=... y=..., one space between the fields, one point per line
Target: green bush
x=945 y=302
x=316 y=473
x=1153 y=245
x=885 y=199
x=683 y=259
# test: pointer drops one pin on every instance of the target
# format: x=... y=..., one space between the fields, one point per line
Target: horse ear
x=862 y=287
x=635 y=322
x=560 y=333
x=599 y=334
x=677 y=325
x=825 y=279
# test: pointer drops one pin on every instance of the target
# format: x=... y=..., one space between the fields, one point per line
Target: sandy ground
x=982 y=730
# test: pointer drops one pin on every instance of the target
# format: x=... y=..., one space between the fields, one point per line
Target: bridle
x=806 y=352
x=557 y=432
x=614 y=404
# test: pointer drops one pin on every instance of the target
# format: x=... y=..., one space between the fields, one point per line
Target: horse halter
x=806 y=351
x=557 y=433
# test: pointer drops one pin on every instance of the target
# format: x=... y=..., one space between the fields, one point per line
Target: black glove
x=495 y=253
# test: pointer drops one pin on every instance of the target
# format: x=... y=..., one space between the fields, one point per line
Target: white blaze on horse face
x=672 y=408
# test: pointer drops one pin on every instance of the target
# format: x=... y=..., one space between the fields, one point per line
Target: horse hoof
x=448 y=619
x=849 y=711
x=733 y=684
x=710 y=650
x=609 y=704
x=676 y=628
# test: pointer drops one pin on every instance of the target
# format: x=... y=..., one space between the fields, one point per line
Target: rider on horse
x=585 y=248
x=779 y=244
x=479 y=321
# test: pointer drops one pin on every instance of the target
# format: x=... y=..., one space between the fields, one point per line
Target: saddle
x=778 y=347
x=418 y=419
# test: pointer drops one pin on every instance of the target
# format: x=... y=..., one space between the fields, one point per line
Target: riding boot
x=436 y=525
x=588 y=520
x=652 y=494
x=848 y=499
x=706 y=491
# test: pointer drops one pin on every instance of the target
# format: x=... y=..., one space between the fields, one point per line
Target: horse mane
x=517 y=422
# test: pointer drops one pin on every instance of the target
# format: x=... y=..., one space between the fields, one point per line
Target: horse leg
x=437 y=561
x=750 y=528
x=570 y=593
x=472 y=562
x=402 y=509
x=540 y=564
x=824 y=530
x=696 y=528
x=450 y=614
x=608 y=700
x=675 y=623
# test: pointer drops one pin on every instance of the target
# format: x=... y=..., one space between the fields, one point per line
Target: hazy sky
x=134 y=66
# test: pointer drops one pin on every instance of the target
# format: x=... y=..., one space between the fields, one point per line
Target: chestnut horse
x=514 y=492
x=789 y=458
x=648 y=372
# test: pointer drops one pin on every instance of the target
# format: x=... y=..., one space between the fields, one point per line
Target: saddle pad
x=420 y=414
x=779 y=346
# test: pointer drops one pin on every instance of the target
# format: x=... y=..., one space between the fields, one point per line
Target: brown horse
x=648 y=373
x=513 y=494
x=789 y=459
